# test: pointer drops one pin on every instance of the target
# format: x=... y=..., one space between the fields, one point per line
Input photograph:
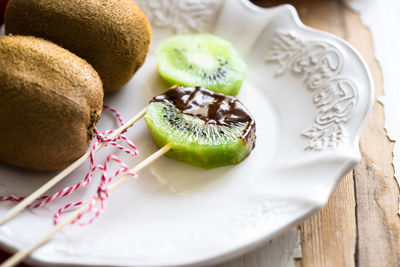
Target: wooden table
x=359 y=226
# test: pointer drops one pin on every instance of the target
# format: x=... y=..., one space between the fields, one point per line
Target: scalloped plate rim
x=350 y=160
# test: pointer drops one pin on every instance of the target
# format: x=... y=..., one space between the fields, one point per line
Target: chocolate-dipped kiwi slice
x=204 y=128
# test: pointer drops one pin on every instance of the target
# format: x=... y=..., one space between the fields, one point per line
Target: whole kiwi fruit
x=112 y=35
x=50 y=102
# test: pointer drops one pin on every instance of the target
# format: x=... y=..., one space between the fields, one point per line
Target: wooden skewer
x=19 y=256
x=41 y=190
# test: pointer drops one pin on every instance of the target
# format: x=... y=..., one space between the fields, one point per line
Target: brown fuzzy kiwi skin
x=112 y=35
x=50 y=102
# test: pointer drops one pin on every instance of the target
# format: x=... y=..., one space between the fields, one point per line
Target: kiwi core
x=203 y=128
x=212 y=108
x=202 y=60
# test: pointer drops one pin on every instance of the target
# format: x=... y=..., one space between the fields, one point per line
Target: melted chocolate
x=213 y=108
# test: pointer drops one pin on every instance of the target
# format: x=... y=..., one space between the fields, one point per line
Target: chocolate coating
x=212 y=107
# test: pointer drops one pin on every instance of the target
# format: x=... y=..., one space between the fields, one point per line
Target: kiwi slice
x=204 y=128
x=201 y=60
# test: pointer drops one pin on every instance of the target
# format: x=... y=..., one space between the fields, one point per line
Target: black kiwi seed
x=201 y=138
x=197 y=72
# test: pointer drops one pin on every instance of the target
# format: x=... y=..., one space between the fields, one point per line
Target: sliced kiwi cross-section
x=204 y=128
x=201 y=59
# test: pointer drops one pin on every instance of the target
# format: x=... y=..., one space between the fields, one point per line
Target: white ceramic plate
x=310 y=93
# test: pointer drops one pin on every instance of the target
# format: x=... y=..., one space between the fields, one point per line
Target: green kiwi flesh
x=201 y=60
x=112 y=35
x=204 y=128
x=50 y=102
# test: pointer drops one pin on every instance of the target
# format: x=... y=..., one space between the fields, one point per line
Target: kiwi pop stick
x=21 y=255
x=205 y=128
x=41 y=190
x=180 y=119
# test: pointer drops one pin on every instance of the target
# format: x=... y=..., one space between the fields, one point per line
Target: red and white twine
x=102 y=192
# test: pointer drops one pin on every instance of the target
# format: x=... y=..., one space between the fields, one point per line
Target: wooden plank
x=328 y=238
x=337 y=236
x=376 y=190
x=324 y=15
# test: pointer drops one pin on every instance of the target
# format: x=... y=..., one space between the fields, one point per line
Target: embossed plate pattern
x=309 y=92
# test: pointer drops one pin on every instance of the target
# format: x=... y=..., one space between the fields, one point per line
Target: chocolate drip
x=213 y=108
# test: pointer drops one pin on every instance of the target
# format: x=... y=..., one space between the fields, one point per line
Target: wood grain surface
x=359 y=226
